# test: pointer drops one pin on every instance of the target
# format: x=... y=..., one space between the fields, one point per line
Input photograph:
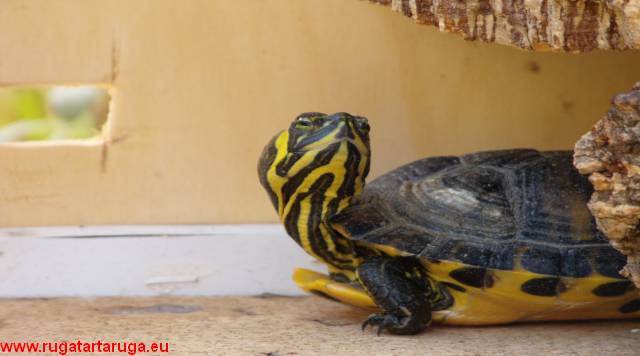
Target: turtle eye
x=304 y=123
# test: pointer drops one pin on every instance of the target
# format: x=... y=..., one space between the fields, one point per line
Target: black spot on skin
x=324 y=295
x=612 y=289
x=630 y=307
x=543 y=287
x=454 y=286
x=472 y=276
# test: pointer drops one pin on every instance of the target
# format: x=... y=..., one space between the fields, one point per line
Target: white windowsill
x=149 y=260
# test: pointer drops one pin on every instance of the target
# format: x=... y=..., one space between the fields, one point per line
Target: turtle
x=491 y=237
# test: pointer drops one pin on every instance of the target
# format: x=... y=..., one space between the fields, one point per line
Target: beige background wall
x=200 y=86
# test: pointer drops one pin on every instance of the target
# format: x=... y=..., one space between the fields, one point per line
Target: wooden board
x=289 y=326
x=200 y=86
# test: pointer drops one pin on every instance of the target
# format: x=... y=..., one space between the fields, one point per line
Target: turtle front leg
x=395 y=285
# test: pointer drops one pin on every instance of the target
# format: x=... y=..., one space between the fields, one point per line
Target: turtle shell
x=505 y=210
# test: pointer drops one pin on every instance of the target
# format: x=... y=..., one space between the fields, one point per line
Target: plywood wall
x=199 y=87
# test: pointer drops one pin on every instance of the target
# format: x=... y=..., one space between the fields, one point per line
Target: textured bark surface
x=610 y=154
x=564 y=25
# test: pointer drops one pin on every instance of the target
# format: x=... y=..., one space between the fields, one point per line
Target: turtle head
x=316 y=131
x=311 y=172
x=318 y=154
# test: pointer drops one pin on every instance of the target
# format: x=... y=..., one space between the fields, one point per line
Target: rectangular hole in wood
x=53 y=113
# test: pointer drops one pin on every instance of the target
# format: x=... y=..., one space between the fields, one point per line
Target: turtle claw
x=373 y=320
x=382 y=321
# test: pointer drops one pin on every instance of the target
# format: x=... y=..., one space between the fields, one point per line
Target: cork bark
x=610 y=155
x=560 y=25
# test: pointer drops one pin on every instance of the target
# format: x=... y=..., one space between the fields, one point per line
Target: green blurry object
x=83 y=126
x=21 y=103
x=56 y=113
x=26 y=130
x=30 y=103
